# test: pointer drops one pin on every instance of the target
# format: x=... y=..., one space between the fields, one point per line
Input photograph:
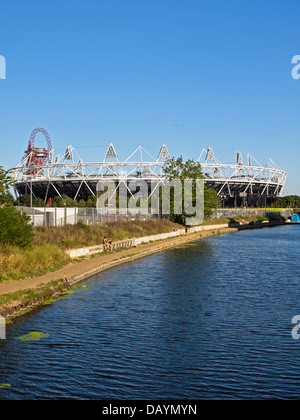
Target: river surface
x=207 y=320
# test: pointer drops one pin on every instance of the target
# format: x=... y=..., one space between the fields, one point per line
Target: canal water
x=207 y=320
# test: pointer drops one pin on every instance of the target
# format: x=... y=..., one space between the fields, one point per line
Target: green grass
x=17 y=264
x=45 y=293
x=48 y=251
x=68 y=237
x=42 y=292
x=220 y=221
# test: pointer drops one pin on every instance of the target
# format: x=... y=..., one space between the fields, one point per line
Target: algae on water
x=33 y=336
x=3 y=386
x=81 y=286
x=66 y=294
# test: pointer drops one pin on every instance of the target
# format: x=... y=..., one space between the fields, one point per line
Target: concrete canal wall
x=129 y=243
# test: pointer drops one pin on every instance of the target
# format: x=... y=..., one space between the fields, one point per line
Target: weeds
x=16 y=263
x=80 y=235
x=49 y=244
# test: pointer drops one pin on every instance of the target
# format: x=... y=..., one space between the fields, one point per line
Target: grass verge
x=48 y=251
x=30 y=296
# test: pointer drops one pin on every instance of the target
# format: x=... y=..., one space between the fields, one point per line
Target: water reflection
x=211 y=319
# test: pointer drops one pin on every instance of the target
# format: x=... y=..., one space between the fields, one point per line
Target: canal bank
x=209 y=319
x=56 y=282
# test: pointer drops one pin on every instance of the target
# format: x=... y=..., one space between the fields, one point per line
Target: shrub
x=15 y=228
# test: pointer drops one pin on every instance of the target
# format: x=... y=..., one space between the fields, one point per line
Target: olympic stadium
x=43 y=174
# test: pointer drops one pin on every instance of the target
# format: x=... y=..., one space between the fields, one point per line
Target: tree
x=63 y=201
x=211 y=202
x=180 y=170
x=92 y=201
x=15 y=227
x=25 y=200
x=292 y=201
x=189 y=170
x=38 y=202
x=5 y=183
x=81 y=204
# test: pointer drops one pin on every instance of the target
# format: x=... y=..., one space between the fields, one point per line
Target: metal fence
x=248 y=212
x=72 y=215
x=88 y=216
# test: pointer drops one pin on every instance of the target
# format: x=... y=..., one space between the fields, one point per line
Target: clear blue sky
x=190 y=74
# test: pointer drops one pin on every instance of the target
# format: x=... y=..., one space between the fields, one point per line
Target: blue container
x=296 y=218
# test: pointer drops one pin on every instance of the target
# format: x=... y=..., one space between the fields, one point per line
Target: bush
x=15 y=228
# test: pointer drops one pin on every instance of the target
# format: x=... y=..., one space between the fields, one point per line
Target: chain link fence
x=88 y=216
x=71 y=216
x=248 y=212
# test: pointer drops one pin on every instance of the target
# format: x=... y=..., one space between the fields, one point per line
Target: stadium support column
x=31 y=192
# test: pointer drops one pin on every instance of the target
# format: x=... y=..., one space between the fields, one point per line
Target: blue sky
x=190 y=74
